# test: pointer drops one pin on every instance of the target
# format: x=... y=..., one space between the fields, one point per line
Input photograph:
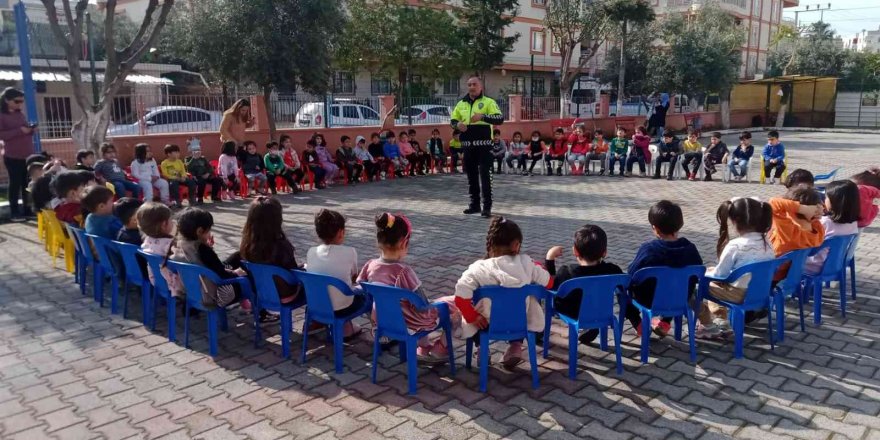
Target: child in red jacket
x=639 y=152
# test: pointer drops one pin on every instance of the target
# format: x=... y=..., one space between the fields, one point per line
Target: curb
x=796 y=130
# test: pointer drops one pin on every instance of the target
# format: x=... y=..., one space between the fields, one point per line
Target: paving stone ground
x=70 y=370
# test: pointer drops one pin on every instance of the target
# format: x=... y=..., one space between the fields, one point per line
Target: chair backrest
x=760 y=280
x=673 y=287
x=103 y=248
x=131 y=261
x=71 y=232
x=192 y=275
x=509 y=303
x=851 y=252
x=837 y=250
x=55 y=226
x=597 y=298
x=792 y=280
x=84 y=243
x=828 y=176
x=389 y=313
x=317 y=290
x=155 y=263
x=263 y=277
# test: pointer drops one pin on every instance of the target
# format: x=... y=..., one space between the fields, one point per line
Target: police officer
x=474 y=117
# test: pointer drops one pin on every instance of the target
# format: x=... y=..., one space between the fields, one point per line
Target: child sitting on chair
x=98 y=201
x=774 y=156
x=503 y=266
x=796 y=223
x=590 y=249
x=580 y=147
x=125 y=209
x=617 y=151
x=841 y=218
x=68 y=187
x=393 y=237
x=517 y=151
x=639 y=153
x=333 y=258
x=556 y=152
x=869 y=191
x=227 y=169
x=154 y=220
x=716 y=153
x=145 y=170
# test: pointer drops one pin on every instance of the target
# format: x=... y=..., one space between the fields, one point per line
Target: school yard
x=70 y=370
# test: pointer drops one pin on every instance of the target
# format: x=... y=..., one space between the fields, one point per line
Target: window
x=537 y=43
x=773 y=5
x=58 y=120
x=554 y=87
x=538 y=87
x=369 y=113
x=754 y=40
x=756 y=8
x=334 y=111
x=438 y=111
x=519 y=85
x=554 y=46
x=343 y=83
x=350 y=111
x=160 y=118
x=539 y=3
x=451 y=86
x=380 y=86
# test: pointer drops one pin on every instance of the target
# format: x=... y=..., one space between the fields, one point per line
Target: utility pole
x=815 y=8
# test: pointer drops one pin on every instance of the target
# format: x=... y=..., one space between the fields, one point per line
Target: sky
x=847 y=17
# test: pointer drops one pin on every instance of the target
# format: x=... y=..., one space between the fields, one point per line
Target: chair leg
x=646 y=336
x=185 y=324
x=533 y=359
x=692 y=341
x=770 y=325
x=841 y=280
x=817 y=302
x=548 y=321
x=337 y=346
x=171 y=309
x=852 y=276
x=603 y=339
x=305 y=333
x=258 y=332
x=468 y=352
x=618 y=351
x=738 y=329
x=376 y=349
x=572 y=351
x=125 y=295
x=779 y=299
x=801 y=297
x=213 y=318
x=412 y=368
x=286 y=330
x=114 y=298
x=98 y=284
x=447 y=330
x=484 y=362
x=402 y=352
x=145 y=303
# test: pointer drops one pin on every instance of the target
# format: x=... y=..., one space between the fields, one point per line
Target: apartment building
x=864 y=41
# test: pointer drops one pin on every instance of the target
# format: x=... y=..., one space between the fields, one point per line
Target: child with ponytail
x=751 y=220
x=503 y=266
x=393 y=236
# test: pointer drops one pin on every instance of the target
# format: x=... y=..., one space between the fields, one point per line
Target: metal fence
x=304 y=110
x=857 y=109
x=418 y=111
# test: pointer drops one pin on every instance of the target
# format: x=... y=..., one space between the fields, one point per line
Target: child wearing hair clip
x=503 y=266
x=751 y=220
x=393 y=238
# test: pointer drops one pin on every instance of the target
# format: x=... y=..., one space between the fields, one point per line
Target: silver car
x=170 y=119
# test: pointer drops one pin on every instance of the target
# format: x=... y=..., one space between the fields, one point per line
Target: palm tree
x=626 y=12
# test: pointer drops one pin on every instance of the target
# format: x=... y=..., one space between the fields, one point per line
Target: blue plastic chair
x=161 y=291
x=106 y=253
x=758 y=297
x=834 y=269
x=791 y=286
x=266 y=298
x=597 y=311
x=820 y=181
x=670 y=300
x=851 y=264
x=191 y=275
x=79 y=262
x=509 y=304
x=390 y=323
x=134 y=275
x=320 y=309
x=88 y=260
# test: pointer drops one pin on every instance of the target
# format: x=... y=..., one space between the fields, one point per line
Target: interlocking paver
x=70 y=370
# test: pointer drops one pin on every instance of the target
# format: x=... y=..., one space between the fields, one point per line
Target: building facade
x=864 y=41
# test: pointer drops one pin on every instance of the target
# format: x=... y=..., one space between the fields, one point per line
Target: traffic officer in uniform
x=474 y=117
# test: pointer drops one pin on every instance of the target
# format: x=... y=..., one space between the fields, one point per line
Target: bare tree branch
x=110 y=31
x=72 y=45
x=145 y=25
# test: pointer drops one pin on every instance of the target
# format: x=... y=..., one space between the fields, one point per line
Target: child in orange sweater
x=796 y=223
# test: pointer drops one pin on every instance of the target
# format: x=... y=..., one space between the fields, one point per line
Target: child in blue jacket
x=774 y=156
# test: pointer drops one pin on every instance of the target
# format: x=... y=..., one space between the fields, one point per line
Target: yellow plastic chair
x=41 y=229
x=784 y=173
x=110 y=187
x=58 y=240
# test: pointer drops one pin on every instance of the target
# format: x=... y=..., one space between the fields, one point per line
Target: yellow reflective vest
x=478 y=133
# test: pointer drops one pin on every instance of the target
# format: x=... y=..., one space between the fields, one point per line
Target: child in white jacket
x=145 y=170
x=503 y=266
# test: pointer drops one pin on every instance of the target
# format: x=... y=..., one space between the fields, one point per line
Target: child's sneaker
x=513 y=355
x=710 y=332
x=589 y=336
x=772 y=180
x=660 y=327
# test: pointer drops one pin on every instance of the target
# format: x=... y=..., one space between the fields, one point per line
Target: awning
x=15 y=75
x=789 y=79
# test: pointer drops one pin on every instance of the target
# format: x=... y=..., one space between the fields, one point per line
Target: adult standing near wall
x=657 y=121
x=474 y=117
x=235 y=121
x=17 y=136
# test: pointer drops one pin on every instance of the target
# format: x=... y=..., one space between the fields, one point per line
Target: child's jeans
x=558 y=158
x=743 y=167
x=633 y=158
x=256 y=181
x=174 y=189
x=665 y=157
x=147 y=188
x=575 y=158
x=319 y=174
x=232 y=183
x=724 y=292
x=499 y=163
x=779 y=165
x=216 y=184
x=615 y=158
x=121 y=186
x=691 y=158
x=520 y=160
x=601 y=157
x=535 y=158
x=455 y=153
x=438 y=161
x=399 y=163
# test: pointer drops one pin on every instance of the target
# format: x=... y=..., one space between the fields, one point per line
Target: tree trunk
x=621 y=70
x=725 y=109
x=91 y=131
x=267 y=101
x=783 y=106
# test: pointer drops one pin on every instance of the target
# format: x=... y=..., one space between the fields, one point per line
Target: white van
x=342 y=114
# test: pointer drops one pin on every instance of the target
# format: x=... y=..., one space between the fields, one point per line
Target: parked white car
x=424 y=114
x=170 y=119
x=342 y=114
